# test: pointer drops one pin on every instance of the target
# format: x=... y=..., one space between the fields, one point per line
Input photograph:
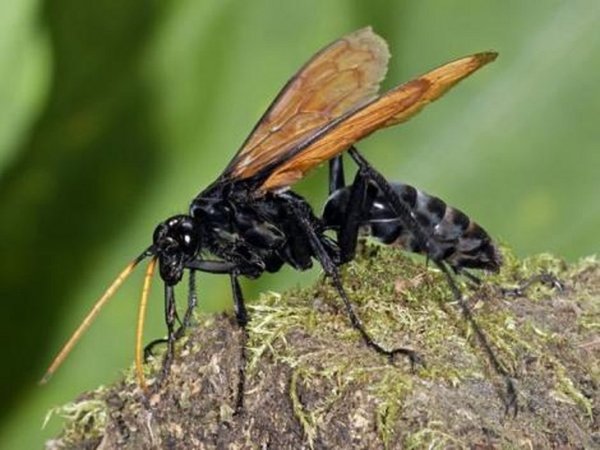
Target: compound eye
x=189 y=242
x=187 y=235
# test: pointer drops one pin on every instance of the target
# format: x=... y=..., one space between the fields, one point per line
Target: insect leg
x=336 y=174
x=170 y=319
x=149 y=348
x=360 y=201
x=331 y=270
x=511 y=391
x=241 y=315
x=543 y=278
x=209 y=266
x=192 y=302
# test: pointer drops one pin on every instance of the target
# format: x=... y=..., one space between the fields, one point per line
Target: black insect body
x=461 y=242
x=248 y=221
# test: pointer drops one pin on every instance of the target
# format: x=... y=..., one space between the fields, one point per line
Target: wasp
x=249 y=221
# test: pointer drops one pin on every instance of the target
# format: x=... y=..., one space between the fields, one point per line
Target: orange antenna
x=91 y=316
x=139 y=333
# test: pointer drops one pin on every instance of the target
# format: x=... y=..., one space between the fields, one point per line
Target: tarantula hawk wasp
x=248 y=221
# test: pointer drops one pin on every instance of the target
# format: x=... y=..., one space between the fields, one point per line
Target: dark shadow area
x=90 y=158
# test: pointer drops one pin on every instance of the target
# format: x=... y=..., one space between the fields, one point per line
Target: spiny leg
x=511 y=391
x=357 y=324
x=183 y=325
x=332 y=272
x=241 y=315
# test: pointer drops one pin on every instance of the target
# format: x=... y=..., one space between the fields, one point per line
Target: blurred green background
x=115 y=113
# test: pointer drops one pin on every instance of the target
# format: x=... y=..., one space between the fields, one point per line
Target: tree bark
x=312 y=383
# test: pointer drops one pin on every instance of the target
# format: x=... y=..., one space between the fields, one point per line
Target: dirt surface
x=312 y=383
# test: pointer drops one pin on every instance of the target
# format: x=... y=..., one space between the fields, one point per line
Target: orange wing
x=341 y=76
x=395 y=106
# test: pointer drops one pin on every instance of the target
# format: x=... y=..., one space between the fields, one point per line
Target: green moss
x=433 y=439
x=390 y=392
x=570 y=392
x=87 y=415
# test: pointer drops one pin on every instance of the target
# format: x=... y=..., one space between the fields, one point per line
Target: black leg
x=336 y=174
x=221 y=267
x=170 y=319
x=544 y=278
x=241 y=315
x=331 y=270
x=210 y=266
x=511 y=391
x=360 y=201
x=358 y=205
x=149 y=348
x=192 y=302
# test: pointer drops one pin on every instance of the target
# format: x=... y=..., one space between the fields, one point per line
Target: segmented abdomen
x=461 y=242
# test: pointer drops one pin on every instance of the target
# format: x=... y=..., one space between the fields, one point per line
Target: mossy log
x=312 y=383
